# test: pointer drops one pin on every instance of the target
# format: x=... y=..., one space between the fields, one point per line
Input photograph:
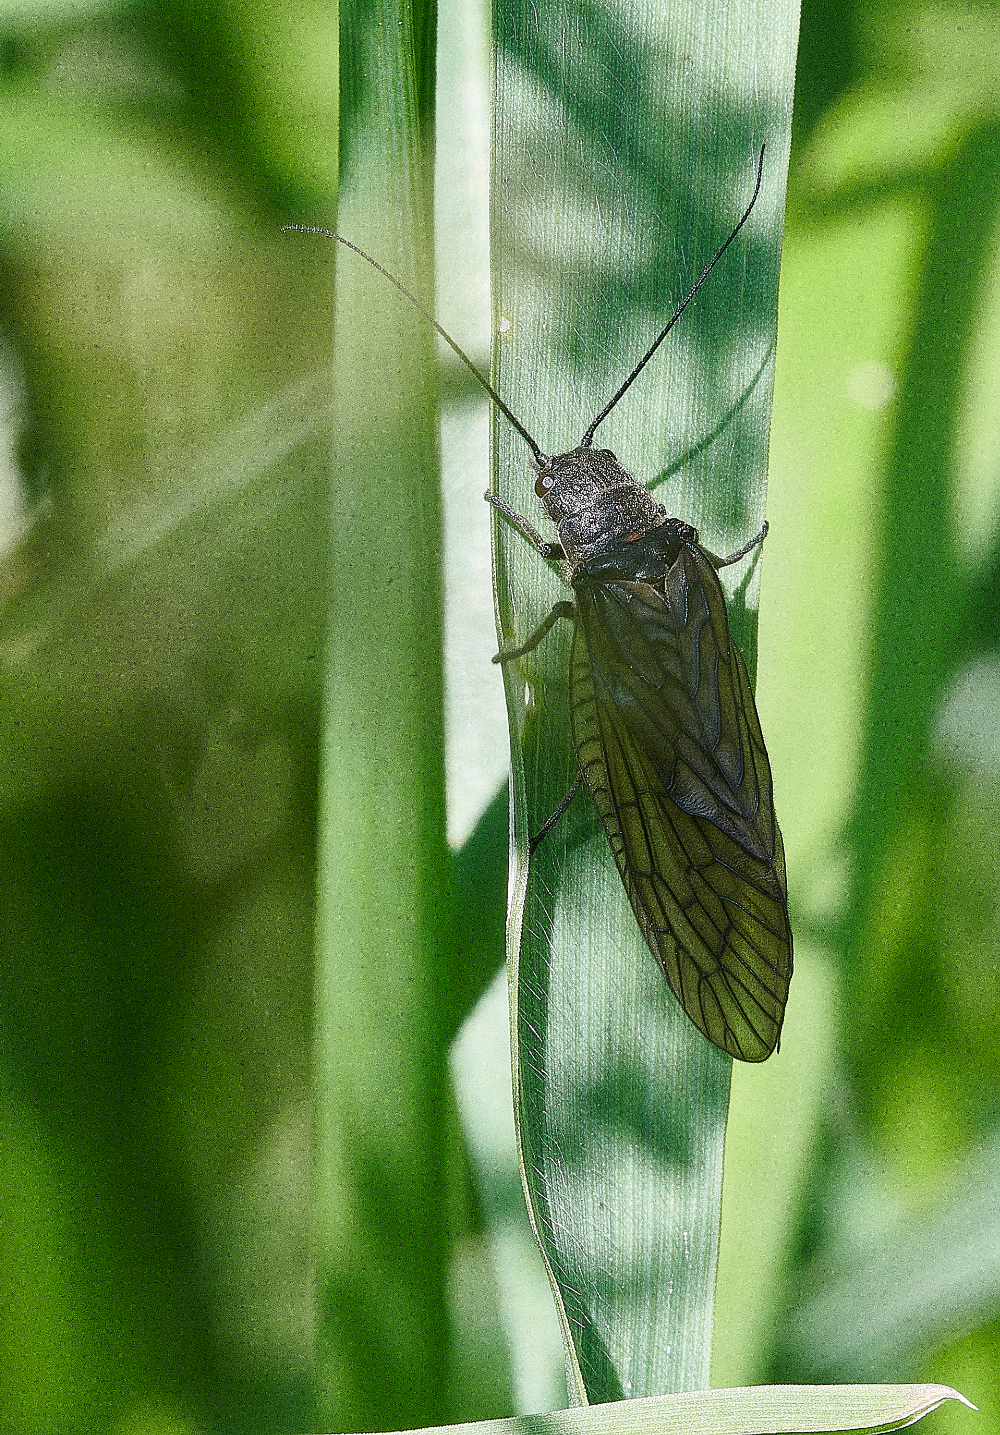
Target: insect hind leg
x=550 y=822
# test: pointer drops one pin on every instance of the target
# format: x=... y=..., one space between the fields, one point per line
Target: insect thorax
x=594 y=502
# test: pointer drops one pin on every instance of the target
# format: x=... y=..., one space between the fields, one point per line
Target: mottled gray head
x=593 y=500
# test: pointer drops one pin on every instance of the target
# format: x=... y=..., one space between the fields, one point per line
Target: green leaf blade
x=747 y=1410
x=383 y=918
x=624 y=153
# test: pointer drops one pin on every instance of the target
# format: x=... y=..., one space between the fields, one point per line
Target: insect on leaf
x=664 y=724
x=667 y=734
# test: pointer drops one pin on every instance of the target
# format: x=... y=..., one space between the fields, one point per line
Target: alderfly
x=664 y=723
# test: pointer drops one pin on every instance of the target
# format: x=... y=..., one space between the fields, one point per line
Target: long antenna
x=588 y=437
x=484 y=382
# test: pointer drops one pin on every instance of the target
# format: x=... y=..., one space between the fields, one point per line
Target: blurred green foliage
x=163 y=641
x=885 y=488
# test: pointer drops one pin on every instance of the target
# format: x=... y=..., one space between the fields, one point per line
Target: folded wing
x=666 y=727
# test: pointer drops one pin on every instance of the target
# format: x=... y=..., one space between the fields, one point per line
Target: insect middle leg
x=740 y=552
x=559 y=610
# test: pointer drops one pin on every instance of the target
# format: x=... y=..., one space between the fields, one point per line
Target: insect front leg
x=547 y=550
x=525 y=528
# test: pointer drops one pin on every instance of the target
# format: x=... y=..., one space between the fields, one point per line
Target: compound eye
x=543 y=483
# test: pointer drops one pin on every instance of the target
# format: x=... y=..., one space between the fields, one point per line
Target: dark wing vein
x=670 y=745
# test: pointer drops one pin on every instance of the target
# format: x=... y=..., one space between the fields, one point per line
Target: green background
x=168 y=591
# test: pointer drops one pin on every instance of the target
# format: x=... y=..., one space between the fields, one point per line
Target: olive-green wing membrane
x=669 y=741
